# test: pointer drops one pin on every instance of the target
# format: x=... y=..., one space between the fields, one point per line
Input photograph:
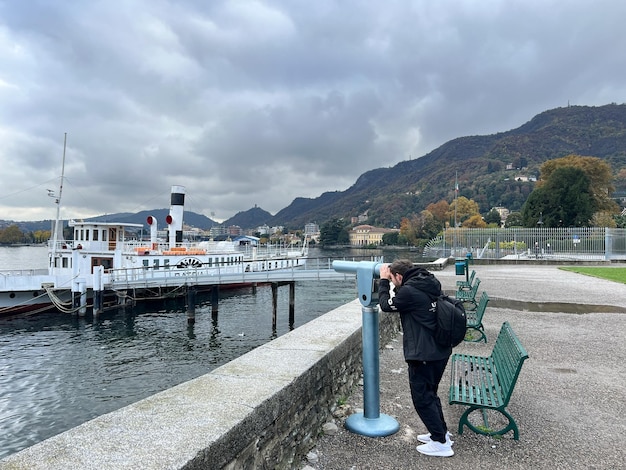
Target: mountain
x=250 y=219
x=493 y=170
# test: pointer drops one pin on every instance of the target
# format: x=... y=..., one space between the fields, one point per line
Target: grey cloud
x=261 y=102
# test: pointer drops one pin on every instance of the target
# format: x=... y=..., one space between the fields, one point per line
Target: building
x=234 y=230
x=263 y=229
x=364 y=235
x=311 y=229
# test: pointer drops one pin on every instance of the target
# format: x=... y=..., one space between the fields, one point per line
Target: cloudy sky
x=258 y=102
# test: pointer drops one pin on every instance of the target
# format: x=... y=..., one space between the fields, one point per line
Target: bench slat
x=475 y=320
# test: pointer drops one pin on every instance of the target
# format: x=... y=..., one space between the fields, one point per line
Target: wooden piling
x=274 y=304
x=215 y=296
x=191 y=305
x=292 y=303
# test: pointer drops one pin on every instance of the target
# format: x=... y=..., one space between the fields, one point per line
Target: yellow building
x=363 y=235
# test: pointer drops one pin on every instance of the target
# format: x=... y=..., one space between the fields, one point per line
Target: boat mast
x=55 y=238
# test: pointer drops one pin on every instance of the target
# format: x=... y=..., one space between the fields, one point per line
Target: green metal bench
x=468 y=297
x=466 y=285
x=475 y=320
x=486 y=383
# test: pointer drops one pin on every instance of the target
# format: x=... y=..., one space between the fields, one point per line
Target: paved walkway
x=570 y=399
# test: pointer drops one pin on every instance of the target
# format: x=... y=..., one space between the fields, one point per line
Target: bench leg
x=486 y=429
x=472 y=330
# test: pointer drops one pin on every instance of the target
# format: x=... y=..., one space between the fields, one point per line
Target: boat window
x=112 y=238
x=95 y=235
x=145 y=264
x=166 y=263
x=87 y=235
x=104 y=235
x=155 y=264
x=65 y=262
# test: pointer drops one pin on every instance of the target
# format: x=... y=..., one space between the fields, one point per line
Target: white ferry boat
x=107 y=260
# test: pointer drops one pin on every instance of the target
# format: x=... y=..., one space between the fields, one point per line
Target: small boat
x=109 y=260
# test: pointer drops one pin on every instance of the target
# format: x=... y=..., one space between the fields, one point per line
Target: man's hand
x=384 y=271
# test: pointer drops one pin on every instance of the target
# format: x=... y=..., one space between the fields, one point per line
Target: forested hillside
x=493 y=170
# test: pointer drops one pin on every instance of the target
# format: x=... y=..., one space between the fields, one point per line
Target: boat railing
x=174 y=276
x=23 y=272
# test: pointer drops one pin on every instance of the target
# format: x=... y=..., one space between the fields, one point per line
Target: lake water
x=58 y=371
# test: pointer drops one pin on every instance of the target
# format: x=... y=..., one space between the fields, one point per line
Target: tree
x=407 y=230
x=620 y=220
x=11 y=235
x=465 y=208
x=40 y=236
x=428 y=226
x=390 y=238
x=439 y=210
x=564 y=200
x=603 y=219
x=330 y=232
x=597 y=170
x=475 y=221
x=344 y=237
x=514 y=219
x=493 y=217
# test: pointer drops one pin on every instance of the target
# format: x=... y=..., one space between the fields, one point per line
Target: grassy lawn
x=612 y=274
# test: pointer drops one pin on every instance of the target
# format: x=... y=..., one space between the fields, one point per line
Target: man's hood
x=422 y=279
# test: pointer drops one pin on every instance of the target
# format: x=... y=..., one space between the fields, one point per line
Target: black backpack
x=451 y=321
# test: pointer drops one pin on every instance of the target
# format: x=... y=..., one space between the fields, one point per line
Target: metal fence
x=582 y=243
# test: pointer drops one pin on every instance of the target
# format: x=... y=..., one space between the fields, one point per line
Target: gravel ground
x=570 y=399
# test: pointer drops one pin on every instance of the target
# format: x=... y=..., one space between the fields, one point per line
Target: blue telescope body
x=367 y=272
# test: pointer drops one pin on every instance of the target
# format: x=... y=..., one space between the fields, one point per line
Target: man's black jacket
x=415 y=301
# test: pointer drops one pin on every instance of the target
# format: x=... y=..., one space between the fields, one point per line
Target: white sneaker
x=425 y=438
x=436 y=449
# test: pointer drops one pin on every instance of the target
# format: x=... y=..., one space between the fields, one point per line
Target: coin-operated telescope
x=371 y=422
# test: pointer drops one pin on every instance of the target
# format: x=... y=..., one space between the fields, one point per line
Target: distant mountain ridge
x=492 y=169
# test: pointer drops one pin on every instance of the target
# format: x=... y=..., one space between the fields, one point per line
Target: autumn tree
x=439 y=210
x=465 y=208
x=11 y=235
x=603 y=219
x=407 y=230
x=475 y=221
x=419 y=227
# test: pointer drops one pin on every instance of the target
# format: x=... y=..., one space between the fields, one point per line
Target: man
x=416 y=290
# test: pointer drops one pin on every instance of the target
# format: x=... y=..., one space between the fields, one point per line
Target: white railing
x=314 y=269
x=582 y=243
